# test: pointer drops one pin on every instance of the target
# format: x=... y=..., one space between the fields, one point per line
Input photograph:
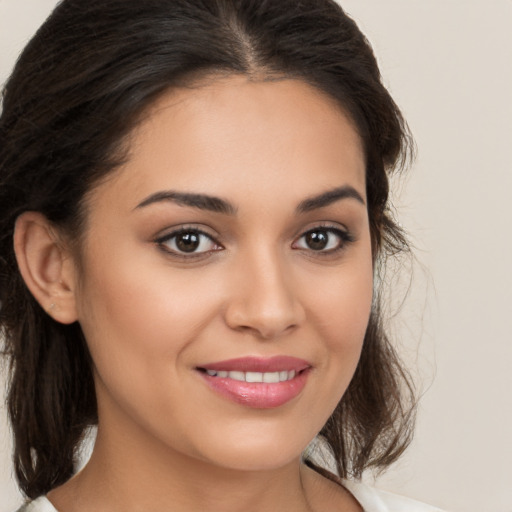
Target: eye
x=188 y=241
x=323 y=239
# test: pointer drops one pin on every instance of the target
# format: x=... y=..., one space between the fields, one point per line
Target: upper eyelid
x=168 y=233
x=327 y=226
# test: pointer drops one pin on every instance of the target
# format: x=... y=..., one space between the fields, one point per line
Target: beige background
x=448 y=63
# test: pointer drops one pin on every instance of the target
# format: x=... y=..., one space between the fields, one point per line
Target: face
x=226 y=273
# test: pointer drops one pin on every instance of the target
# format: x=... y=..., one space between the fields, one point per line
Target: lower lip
x=259 y=395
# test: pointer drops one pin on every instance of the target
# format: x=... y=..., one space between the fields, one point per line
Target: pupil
x=187 y=242
x=317 y=240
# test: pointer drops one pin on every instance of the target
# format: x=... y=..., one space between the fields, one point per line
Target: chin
x=255 y=461
x=257 y=451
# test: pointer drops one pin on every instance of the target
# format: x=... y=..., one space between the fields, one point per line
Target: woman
x=194 y=211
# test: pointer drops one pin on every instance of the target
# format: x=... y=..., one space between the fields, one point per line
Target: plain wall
x=448 y=64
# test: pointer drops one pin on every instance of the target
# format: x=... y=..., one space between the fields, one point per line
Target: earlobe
x=46 y=266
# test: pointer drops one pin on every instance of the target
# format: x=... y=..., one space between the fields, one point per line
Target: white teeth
x=237 y=376
x=253 y=377
x=271 y=377
x=267 y=377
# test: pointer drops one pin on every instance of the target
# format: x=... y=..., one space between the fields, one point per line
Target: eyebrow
x=330 y=196
x=200 y=201
x=218 y=205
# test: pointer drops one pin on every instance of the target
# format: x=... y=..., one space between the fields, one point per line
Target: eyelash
x=165 y=239
x=345 y=238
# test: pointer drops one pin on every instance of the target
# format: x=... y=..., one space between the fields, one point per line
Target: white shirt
x=370 y=499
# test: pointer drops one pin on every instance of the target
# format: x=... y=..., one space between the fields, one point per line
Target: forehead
x=240 y=138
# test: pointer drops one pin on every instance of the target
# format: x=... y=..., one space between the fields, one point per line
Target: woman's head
x=73 y=114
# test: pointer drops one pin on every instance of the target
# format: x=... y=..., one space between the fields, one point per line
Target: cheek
x=139 y=326
x=343 y=307
x=130 y=304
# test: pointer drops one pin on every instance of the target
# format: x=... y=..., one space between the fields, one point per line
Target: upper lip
x=258 y=364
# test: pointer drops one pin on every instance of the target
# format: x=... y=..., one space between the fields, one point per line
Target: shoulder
x=375 y=500
x=39 y=505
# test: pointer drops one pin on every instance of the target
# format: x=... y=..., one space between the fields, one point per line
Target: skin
x=151 y=316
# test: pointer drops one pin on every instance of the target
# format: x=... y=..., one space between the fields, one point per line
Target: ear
x=46 y=266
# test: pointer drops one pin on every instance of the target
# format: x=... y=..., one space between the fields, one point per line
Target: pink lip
x=259 y=395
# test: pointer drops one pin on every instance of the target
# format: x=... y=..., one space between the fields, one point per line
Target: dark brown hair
x=77 y=91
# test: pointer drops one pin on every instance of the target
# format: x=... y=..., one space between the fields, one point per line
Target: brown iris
x=188 y=241
x=317 y=240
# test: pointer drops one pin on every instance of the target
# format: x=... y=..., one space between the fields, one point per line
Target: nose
x=264 y=299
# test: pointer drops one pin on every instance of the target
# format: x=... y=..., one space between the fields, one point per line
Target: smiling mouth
x=263 y=383
x=252 y=377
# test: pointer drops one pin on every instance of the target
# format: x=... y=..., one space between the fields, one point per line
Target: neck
x=139 y=477
x=134 y=471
